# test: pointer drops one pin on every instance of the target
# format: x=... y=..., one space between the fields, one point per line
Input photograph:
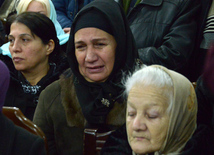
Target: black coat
x=18 y=141
x=205 y=103
x=165 y=31
x=198 y=57
x=26 y=102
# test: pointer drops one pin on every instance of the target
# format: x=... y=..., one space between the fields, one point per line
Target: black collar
x=152 y=2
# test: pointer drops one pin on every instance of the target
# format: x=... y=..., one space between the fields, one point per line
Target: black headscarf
x=94 y=17
x=93 y=96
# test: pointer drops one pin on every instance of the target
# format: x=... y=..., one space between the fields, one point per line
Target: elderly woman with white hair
x=161 y=115
x=159 y=118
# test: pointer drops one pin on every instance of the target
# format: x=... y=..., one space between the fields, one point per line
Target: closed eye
x=99 y=45
x=151 y=116
x=80 y=47
x=131 y=114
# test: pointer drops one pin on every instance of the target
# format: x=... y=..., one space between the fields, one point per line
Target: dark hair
x=41 y=26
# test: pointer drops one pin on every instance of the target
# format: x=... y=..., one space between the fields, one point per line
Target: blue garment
x=4 y=49
x=62 y=36
x=66 y=10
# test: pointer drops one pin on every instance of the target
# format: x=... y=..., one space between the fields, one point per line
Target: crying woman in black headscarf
x=100 y=50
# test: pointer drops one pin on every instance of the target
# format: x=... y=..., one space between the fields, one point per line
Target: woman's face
x=35 y=6
x=28 y=51
x=146 y=118
x=95 y=53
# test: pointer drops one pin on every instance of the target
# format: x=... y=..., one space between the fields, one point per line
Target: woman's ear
x=50 y=47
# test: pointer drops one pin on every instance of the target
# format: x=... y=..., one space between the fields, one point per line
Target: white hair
x=155 y=76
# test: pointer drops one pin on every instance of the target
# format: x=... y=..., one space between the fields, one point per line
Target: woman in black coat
x=37 y=60
x=89 y=94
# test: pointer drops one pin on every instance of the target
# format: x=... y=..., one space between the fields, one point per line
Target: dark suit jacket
x=1 y=2
x=15 y=140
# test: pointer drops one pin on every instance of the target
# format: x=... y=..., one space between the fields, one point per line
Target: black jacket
x=165 y=31
x=17 y=141
x=197 y=60
x=205 y=103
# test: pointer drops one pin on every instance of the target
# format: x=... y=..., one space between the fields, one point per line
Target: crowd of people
x=122 y=65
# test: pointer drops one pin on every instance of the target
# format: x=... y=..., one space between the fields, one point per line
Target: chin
x=95 y=79
x=141 y=149
x=19 y=68
x=142 y=152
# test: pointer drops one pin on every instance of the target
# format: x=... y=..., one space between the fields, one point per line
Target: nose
x=139 y=123
x=15 y=47
x=91 y=55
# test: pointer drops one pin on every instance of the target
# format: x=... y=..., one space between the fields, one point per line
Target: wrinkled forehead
x=149 y=95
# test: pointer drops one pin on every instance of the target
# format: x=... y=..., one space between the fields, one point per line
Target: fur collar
x=73 y=111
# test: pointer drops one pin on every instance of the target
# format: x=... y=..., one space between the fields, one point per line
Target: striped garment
x=208 y=39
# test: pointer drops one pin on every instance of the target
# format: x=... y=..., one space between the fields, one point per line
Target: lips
x=95 y=69
x=17 y=59
x=139 y=138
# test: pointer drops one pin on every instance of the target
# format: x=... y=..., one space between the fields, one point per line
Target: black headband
x=93 y=18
